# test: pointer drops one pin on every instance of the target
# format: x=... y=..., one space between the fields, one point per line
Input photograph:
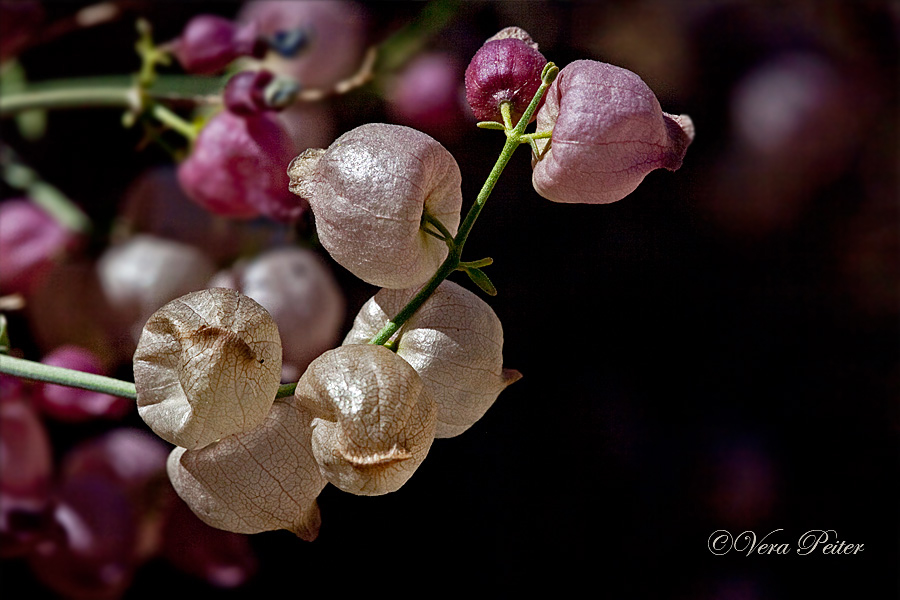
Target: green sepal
x=479 y=278
x=490 y=125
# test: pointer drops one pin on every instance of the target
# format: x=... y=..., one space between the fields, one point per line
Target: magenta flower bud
x=237 y=168
x=245 y=93
x=73 y=404
x=608 y=133
x=210 y=43
x=507 y=68
x=30 y=242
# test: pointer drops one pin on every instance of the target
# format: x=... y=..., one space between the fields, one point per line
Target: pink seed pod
x=208 y=365
x=373 y=418
x=210 y=43
x=368 y=192
x=507 y=68
x=30 y=242
x=455 y=344
x=236 y=168
x=318 y=42
x=608 y=133
x=72 y=404
x=260 y=480
x=299 y=291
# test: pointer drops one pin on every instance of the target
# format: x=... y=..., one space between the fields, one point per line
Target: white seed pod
x=299 y=291
x=455 y=343
x=260 y=480
x=368 y=192
x=374 y=419
x=208 y=365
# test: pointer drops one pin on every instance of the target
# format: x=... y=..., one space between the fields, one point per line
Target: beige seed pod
x=455 y=343
x=255 y=481
x=373 y=418
x=368 y=192
x=207 y=365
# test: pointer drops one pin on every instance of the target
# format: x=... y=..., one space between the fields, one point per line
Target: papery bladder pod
x=260 y=480
x=454 y=342
x=373 y=418
x=207 y=365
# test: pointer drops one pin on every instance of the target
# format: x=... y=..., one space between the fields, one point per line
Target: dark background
x=719 y=350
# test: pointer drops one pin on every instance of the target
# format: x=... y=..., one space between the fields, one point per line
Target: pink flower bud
x=369 y=191
x=237 y=168
x=30 y=242
x=210 y=43
x=73 y=404
x=426 y=95
x=608 y=133
x=507 y=68
x=245 y=92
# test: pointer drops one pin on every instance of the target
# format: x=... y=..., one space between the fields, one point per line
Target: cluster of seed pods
x=363 y=416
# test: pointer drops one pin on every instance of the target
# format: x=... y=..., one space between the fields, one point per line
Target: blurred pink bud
x=30 y=242
x=318 y=42
x=507 y=68
x=237 y=168
x=210 y=43
x=245 y=92
x=26 y=469
x=426 y=95
x=608 y=133
x=73 y=404
x=90 y=554
x=19 y=23
x=221 y=558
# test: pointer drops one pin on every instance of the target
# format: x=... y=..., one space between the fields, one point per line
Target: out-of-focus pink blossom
x=507 y=68
x=26 y=470
x=426 y=95
x=19 y=22
x=237 y=168
x=210 y=43
x=30 y=242
x=245 y=92
x=73 y=404
x=318 y=42
x=608 y=133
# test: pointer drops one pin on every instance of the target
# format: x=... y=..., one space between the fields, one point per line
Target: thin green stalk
x=27 y=369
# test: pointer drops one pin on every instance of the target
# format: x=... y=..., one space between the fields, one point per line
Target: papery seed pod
x=255 y=481
x=507 y=68
x=374 y=418
x=236 y=168
x=454 y=342
x=368 y=192
x=209 y=43
x=608 y=133
x=298 y=290
x=207 y=365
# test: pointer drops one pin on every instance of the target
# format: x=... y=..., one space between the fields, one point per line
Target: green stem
x=27 y=369
x=452 y=262
x=80 y=97
x=35 y=371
